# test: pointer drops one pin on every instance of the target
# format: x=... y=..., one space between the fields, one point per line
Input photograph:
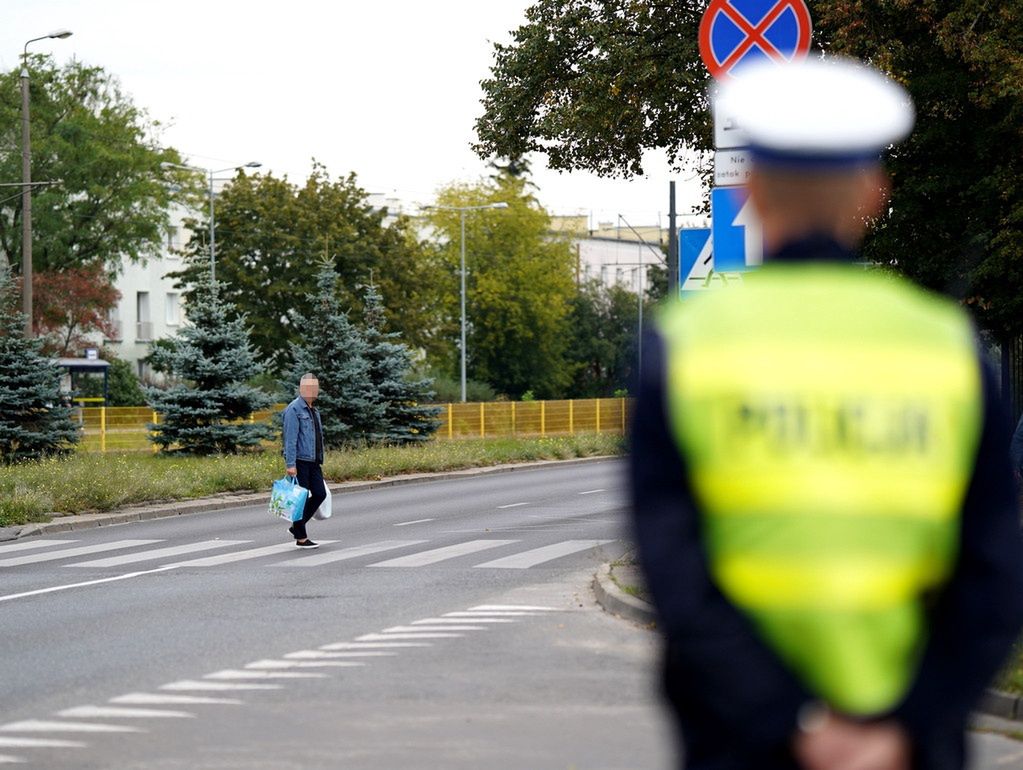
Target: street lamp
x=26 y=190
x=461 y=212
x=211 y=172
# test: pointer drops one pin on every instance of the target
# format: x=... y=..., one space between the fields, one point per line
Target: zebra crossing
x=63 y=553
x=144 y=711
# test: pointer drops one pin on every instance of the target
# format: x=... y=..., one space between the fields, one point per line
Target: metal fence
x=126 y=429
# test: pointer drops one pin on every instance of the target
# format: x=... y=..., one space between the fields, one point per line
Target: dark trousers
x=310 y=476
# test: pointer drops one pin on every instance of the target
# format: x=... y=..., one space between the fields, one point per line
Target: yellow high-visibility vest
x=829 y=418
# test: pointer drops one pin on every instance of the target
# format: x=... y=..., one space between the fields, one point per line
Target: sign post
x=734 y=34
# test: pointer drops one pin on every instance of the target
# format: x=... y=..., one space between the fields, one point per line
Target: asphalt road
x=444 y=624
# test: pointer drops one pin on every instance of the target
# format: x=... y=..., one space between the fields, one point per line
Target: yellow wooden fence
x=121 y=429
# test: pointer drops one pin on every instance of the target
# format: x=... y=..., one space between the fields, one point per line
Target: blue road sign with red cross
x=734 y=33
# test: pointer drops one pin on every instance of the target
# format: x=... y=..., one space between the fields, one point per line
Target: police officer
x=823 y=505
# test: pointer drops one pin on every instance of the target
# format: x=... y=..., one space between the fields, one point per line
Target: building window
x=172 y=238
x=115 y=330
x=144 y=325
x=173 y=308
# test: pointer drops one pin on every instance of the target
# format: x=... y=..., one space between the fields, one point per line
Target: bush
x=124 y=388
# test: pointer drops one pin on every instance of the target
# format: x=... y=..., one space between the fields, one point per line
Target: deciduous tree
x=520 y=283
x=271 y=237
x=595 y=83
x=70 y=304
x=103 y=152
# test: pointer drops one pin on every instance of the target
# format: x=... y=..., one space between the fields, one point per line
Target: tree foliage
x=603 y=347
x=594 y=83
x=206 y=411
x=35 y=421
x=87 y=134
x=123 y=386
x=271 y=237
x=70 y=304
x=406 y=419
x=520 y=282
x=956 y=219
x=333 y=349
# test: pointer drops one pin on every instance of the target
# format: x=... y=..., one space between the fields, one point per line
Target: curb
x=72 y=522
x=615 y=601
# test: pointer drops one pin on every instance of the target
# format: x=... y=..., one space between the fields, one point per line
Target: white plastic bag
x=324 y=511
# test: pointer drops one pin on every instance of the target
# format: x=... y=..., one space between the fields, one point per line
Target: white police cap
x=831 y=112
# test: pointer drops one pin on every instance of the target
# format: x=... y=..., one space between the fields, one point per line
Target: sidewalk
x=618 y=588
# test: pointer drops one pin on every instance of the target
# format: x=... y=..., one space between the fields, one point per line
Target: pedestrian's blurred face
x=309 y=389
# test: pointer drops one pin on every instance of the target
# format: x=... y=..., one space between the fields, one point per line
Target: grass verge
x=1011 y=678
x=93 y=482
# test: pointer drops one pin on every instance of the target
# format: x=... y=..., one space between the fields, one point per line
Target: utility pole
x=672 y=244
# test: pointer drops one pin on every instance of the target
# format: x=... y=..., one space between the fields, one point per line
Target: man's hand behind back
x=842 y=744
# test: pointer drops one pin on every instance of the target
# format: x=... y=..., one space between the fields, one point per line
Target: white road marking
x=69 y=553
x=32 y=545
x=157 y=699
x=592 y=491
x=421 y=629
x=382 y=637
x=438 y=621
x=511 y=505
x=120 y=712
x=159 y=553
x=7 y=759
x=191 y=684
x=417 y=521
x=252 y=553
x=435 y=555
x=43 y=726
x=237 y=674
x=523 y=607
x=38 y=743
x=470 y=614
x=327 y=557
x=318 y=655
x=372 y=645
x=269 y=665
x=546 y=553
x=98 y=581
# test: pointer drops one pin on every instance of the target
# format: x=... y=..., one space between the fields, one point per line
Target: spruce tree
x=334 y=350
x=34 y=419
x=405 y=418
x=205 y=412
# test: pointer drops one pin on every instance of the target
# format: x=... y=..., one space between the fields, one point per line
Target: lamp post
x=26 y=190
x=461 y=212
x=210 y=172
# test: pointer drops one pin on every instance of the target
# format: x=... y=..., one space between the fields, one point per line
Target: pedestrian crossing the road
x=511 y=554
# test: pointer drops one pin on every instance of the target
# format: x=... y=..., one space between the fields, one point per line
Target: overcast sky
x=388 y=90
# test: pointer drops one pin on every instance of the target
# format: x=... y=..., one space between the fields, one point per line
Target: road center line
x=512 y=505
x=417 y=521
x=54 y=589
x=592 y=491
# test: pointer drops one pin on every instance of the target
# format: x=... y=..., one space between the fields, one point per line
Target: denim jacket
x=299 y=434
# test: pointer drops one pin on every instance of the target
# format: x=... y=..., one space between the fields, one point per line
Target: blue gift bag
x=287 y=499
